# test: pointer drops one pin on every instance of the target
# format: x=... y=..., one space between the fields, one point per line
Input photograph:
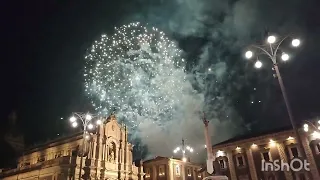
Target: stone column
x=283 y=156
x=130 y=155
x=94 y=149
x=251 y=165
x=232 y=170
x=106 y=153
x=154 y=172
x=313 y=166
x=122 y=152
x=100 y=153
x=127 y=154
x=90 y=151
x=183 y=172
x=194 y=173
x=103 y=152
x=119 y=154
x=167 y=170
x=171 y=169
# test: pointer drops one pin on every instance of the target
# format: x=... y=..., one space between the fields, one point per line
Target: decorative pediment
x=112 y=124
x=111 y=118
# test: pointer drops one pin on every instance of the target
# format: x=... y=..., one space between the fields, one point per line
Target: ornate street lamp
x=314 y=127
x=183 y=148
x=88 y=122
x=272 y=50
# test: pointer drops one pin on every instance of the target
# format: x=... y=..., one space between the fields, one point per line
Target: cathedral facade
x=106 y=154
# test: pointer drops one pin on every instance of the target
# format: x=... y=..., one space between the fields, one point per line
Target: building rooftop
x=159 y=158
x=254 y=135
x=54 y=142
x=156 y=159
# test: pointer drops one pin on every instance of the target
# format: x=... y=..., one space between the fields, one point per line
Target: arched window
x=112 y=152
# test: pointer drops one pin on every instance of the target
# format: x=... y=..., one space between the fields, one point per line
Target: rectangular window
x=147 y=172
x=177 y=170
x=318 y=147
x=240 y=161
x=222 y=165
x=266 y=156
x=74 y=153
x=189 y=172
x=294 y=152
x=161 y=171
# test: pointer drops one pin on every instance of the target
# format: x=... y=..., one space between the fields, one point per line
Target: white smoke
x=227 y=26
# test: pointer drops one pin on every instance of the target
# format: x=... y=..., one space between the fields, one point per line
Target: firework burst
x=138 y=71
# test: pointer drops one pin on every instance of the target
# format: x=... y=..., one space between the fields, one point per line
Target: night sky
x=43 y=43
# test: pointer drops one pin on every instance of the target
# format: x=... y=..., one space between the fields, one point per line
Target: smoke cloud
x=212 y=34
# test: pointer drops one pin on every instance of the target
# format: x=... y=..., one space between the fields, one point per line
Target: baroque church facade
x=106 y=153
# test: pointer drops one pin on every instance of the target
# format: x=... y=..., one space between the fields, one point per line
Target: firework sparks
x=137 y=70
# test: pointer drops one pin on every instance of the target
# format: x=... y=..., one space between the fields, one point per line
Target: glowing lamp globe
x=99 y=122
x=254 y=145
x=295 y=42
x=88 y=117
x=87 y=137
x=285 y=57
x=90 y=126
x=74 y=124
x=271 y=39
x=258 y=64
x=306 y=127
x=73 y=119
x=184 y=159
x=249 y=54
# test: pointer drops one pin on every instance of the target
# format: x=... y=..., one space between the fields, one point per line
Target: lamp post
x=87 y=123
x=271 y=50
x=183 y=148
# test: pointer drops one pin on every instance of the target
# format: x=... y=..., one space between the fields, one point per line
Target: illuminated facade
x=244 y=158
x=163 y=168
x=107 y=155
